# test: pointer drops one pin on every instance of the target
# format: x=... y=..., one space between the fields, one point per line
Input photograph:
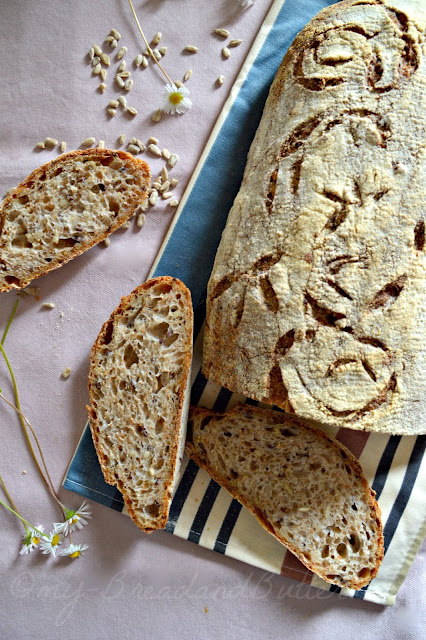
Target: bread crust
x=49 y=169
x=197 y=414
x=316 y=298
x=180 y=415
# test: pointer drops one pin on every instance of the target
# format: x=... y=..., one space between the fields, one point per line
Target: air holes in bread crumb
x=130 y=356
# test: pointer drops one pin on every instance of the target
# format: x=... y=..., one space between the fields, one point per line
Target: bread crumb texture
x=65 y=207
x=304 y=487
x=139 y=369
x=316 y=302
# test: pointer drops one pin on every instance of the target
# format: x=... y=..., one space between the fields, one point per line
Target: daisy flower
x=74 y=550
x=74 y=520
x=52 y=542
x=175 y=99
x=31 y=540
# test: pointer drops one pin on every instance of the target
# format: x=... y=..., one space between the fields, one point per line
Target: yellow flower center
x=74 y=519
x=75 y=554
x=55 y=540
x=35 y=540
x=176 y=97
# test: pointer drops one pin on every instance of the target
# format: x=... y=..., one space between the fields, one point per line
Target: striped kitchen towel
x=201 y=511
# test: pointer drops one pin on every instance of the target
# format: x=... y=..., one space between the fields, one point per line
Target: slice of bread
x=304 y=487
x=65 y=207
x=139 y=395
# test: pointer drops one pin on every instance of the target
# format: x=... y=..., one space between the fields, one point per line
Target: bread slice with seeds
x=304 y=487
x=139 y=390
x=65 y=207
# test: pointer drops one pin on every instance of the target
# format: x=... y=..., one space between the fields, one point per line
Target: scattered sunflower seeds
x=112 y=111
x=132 y=111
x=226 y=53
x=101 y=144
x=128 y=84
x=190 y=48
x=63 y=146
x=165 y=153
x=113 y=103
x=165 y=186
x=97 y=69
x=107 y=242
x=105 y=59
x=133 y=141
x=50 y=143
x=173 y=160
x=152 y=148
x=153 y=197
x=97 y=49
x=121 y=53
x=124 y=74
x=178 y=84
x=91 y=54
x=144 y=61
x=152 y=140
x=132 y=148
x=40 y=145
x=103 y=74
x=121 y=138
x=173 y=182
x=109 y=39
x=122 y=66
x=143 y=207
x=156 y=116
x=48 y=305
x=114 y=43
x=66 y=373
x=116 y=34
x=163 y=50
x=126 y=225
x=234 y=43
x=119 y=81
x=122 y=100
x=140 y=220
x=220 y=80
x=156 y=185
x=173 y=202
x=223 y=33
x=164 y=173
x=88 y=142
x=138 y=60
x=156 y=39
x=166 y=195
x=96 y=60
x=187 y=75
x=102 y=87
x=141 y=145
x=156 y=54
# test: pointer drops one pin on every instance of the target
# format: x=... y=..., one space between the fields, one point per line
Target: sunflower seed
x=154 y=149
x=122 y=66
x=122 y=100
x=156 y=54
x=178 y=84
x=234 y=43
x=132 y=111
x=40 y=145
x=63 y=146
x=226 y=53
x=156 y=185
x=126 y=225
x=112 y=112
x=156 y=116
x=142 y=207
x=109 y=39
x=132 y=148
x=48 y=305
x=163 y=50
x=114 y=43
x=116 y=34
x=166 y=195
x=164 y=173
x=223 y=33
x=101 y=144
x=165 y=153
x=190 y=48
x=97 y=50
x=103 y=74
x=105 y=59
x=220 y=80
x=173 y=182
x=66 y=373
x=50 y=143
x=124 y=74
x=152 y=140
x=96 y=60
x=88 y=142
x=107 y=242
x=102 y=87
x=91 y=54
x=119 y=81
x=140 y=220
x=144 y=61
x=138 y=60
x=173 y=202
x=113 y=103
x=173 y=160
x=121 y=138
x=187 y=75
x=133 y=141
x=96 y=69
x=156 y=39
x=153 y=197
x=165 y=186
x=128 y=84
x=121 y=53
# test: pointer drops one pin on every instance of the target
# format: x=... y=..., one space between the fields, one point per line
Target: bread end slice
x=139 y=391
x=304 y=487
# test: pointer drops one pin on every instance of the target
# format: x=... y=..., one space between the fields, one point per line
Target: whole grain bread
x=138 y=388
x=304 y=487
x=316 y=302
x=65 y=207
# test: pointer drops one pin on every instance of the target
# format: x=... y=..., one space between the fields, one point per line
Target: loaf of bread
x=304 y=487
x=63 y=208
x=317 y=299
x=138 y=388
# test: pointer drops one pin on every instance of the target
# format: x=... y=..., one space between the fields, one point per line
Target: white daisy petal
x=51 y=543
x=74 y=550
x=31 y=540
x=175 y=100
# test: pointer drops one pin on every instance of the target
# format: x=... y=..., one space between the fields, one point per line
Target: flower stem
x=9 y=497
x=151 y=53
x=12 y=315
x=26 y=523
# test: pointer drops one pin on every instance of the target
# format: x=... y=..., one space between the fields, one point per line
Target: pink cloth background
x=128 y=585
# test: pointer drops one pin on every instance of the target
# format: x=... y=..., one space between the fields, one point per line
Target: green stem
x=26 y=523
x=12 y=315
x=151 y=53
x=9 y=497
